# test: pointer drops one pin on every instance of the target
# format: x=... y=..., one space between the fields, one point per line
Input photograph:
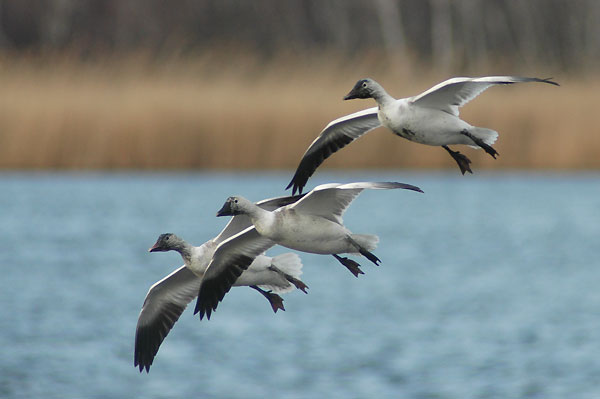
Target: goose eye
x=364 y=85
x=235 y=201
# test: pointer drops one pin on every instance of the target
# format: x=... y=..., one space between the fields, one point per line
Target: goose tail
x=366 y=241
x=289 y=263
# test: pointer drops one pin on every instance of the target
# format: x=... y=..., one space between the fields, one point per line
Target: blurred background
x=124 y=119
x=108 y=84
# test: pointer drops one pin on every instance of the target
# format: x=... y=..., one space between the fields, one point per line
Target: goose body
x=167 y=299
x=308 y=233
x=430 y=118
x=313 y=224
x=440 y=128
x=264 y=271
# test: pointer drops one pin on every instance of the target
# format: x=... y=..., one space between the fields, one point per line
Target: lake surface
x=488 y=288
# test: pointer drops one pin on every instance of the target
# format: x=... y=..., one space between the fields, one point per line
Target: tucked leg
x=488 y=148
x=275 y=300
x=350 y=265
x=462 y=161
x=299 y=284
x=364 y=252
x=370 y=256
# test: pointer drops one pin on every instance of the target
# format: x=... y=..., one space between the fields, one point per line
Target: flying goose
x=430 y=118
x=168 y=298
x=313 y=224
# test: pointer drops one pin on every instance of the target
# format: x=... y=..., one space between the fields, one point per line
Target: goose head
x=364 y=88
x=167 y=242
x=234 y=206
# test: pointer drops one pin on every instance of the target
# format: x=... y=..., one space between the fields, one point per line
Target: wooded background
x=249 y=84
x=447 y=33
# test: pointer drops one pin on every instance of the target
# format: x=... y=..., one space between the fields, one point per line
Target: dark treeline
x=564 y=34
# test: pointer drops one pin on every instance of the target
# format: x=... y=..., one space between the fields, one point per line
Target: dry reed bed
x=201 y=115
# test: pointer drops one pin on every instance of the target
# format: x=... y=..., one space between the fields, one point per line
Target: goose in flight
x=168 y=298
x=313 y=224
x=430 y=118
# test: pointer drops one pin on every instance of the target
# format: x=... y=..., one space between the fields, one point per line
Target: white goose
x=430 y=118
x=313 y=224
x=168 y=298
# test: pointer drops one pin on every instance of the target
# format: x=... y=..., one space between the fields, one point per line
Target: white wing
x=331 y=200
x=452 y=94
x=164 y=303
x=336 y=135
x=229 y=261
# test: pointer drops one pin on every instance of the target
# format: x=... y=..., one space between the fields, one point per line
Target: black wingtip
x=142 y=365
x=290 y=185
x=413 y=188
x=200 y=310
x=550 y=81
x=295 y=187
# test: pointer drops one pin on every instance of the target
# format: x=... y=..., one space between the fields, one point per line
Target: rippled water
x=488 y=289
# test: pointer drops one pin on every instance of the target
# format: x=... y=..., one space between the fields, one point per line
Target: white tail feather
x=288 y=263
x=367 y=241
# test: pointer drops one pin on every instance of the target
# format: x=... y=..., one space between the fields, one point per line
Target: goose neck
x=185 y=250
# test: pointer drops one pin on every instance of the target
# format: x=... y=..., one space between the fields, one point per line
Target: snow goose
x=430 y=118
x=313 y=224
x=168 y=298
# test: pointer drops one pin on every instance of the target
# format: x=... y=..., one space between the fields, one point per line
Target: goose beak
x=154 y=248
x=225 y=210
x=350 y=96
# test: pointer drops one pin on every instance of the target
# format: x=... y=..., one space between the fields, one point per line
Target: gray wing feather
x=336 y=135
x=164 y=303
x=452 y=94
x=331 y=200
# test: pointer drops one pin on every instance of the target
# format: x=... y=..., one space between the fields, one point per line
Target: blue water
x=488 y=289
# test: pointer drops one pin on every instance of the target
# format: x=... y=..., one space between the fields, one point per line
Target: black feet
x=275 y=300
x=350 y=265
x=486 y=147
x=297 y=283
x=370 y=256
x=462 y=161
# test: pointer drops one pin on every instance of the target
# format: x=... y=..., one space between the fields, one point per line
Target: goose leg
x=462 y=161
x=350 y=265
x=370 y=256
x=488 y=148
x=299 y=284
x=275 y=300
x=364 y=252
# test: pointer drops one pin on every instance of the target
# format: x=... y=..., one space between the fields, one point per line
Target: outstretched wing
x=452 y=94
x=242 y=222
x=331 y=200
x=336 y=135
x=164 y=303
x=229 y=261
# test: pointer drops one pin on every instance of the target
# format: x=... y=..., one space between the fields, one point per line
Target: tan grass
x=198 y=113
